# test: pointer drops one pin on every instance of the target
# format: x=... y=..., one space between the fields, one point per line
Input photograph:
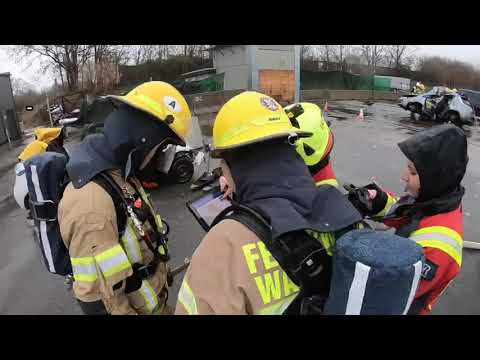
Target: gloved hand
x=368 y=200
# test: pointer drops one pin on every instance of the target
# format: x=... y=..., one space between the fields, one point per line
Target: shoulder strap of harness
x=300 y=255
x=140 y=271
x=104 y=181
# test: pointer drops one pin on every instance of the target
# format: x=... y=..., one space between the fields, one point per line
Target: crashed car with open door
x=449 y=108
x=415 y=103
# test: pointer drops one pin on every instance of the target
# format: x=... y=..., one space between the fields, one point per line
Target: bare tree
x=373 y=54
x=21 y=87
x=398 y=55
x=68 y=58
x=143 y=53
x=307 y=52
x=452 y=73
x=326 y=54
x=340 y=54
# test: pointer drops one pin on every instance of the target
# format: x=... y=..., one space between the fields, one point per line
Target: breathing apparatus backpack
x=370 y=272
x=46 y=180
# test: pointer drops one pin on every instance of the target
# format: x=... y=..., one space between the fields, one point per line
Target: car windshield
x=473 y=97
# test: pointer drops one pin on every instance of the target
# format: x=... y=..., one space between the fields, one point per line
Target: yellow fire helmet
x=47 y=134
x=163 y=101
x=317 y=147
x=34 y=148
x=248 y=118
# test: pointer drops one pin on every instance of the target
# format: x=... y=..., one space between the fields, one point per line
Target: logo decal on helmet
x=172 y=104
x=269 y=103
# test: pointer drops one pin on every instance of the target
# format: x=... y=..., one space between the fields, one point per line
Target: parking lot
x=364 y=150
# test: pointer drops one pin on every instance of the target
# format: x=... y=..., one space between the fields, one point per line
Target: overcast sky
x=32 y=74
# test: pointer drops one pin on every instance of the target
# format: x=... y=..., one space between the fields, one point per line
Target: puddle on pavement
x=339 y=118
x=412 y=126
x=349 y=111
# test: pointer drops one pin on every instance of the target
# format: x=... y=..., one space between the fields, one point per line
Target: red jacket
x=326 y=175
x=441 y=237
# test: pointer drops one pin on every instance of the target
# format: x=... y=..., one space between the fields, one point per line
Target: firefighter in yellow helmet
x=115 y=237
x=268 y=253
x=46 y=139
x=315 y=150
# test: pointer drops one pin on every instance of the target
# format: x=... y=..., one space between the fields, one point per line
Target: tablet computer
x=206 y=207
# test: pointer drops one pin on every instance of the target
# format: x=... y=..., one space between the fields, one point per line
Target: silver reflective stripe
x=440 y=237
x=413 y=290
x=148 y=295
x=187 y=299
x=357 y=289
x=88 y=269
x=43 y=226
x=131 y=245
x=112 y=262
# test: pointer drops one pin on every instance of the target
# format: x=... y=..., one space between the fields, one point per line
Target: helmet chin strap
x=149 y=156
x=152 y=152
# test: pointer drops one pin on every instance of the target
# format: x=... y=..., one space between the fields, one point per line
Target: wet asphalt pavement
x=364 y=151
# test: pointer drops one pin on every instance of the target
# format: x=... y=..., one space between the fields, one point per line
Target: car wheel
x=181 y=170
x=453 y=118
x=415 y=108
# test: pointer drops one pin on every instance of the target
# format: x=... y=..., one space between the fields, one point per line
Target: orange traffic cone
x=360 y=115
x=326 y=109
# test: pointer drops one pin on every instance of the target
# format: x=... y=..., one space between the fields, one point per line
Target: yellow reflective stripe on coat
x=332 y=182
x=442 y=238
x=327 y=240
x=187 y=299
x=131 y=244
x=158 y=219
x=113 y=261
x=149 y=295
x=391 y=200
x=84 y=269
x=279 y=307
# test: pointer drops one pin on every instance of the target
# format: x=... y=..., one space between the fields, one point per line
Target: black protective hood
x=440 y=157
x=132 y=133
x=129 y=134
x=272 y=179
x=90 y=157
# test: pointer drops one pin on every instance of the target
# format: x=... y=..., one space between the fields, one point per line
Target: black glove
x=360 y=198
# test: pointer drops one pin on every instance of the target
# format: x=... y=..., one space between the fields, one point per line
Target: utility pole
x=4 y=121
x=48 y=109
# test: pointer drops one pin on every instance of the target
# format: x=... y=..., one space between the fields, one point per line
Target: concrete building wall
x=6 y=96
x=234 y=63
x=8 y=116
x=275 y=57
x=243 y=65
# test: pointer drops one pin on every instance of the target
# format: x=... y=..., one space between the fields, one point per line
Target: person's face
x=411 y=179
